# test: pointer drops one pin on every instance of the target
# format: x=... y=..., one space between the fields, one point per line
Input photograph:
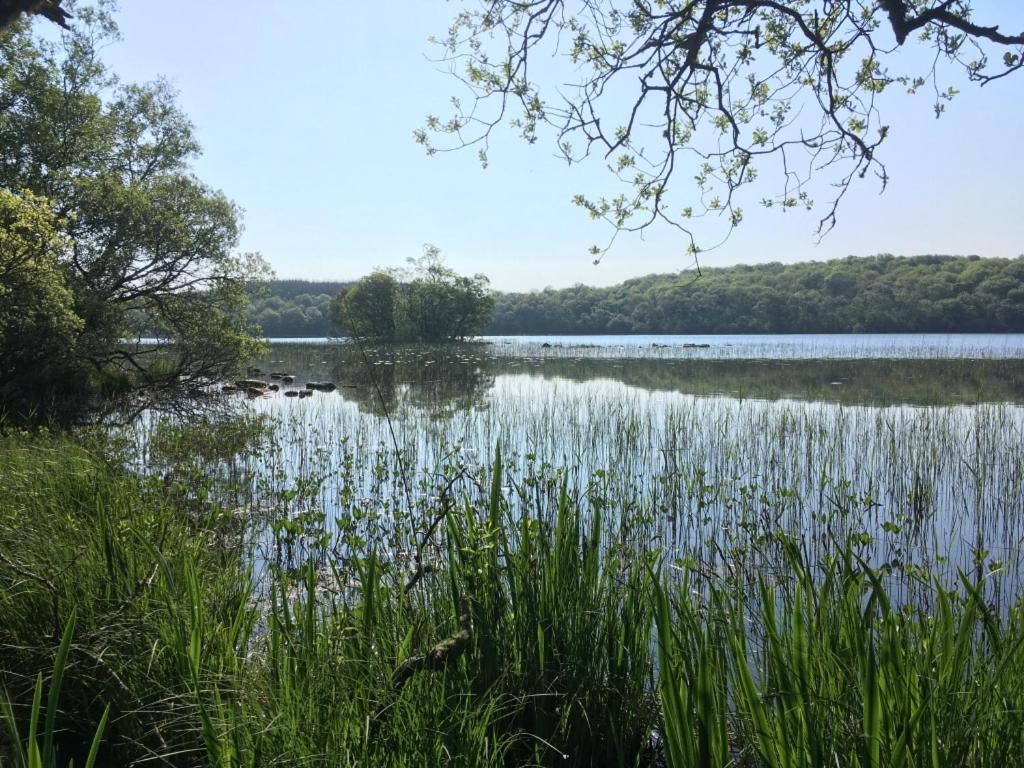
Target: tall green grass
x=511 y=619
x=79 y=535
x=30 y=754
x=822 y=668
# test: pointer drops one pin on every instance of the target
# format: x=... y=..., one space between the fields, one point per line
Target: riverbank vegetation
x=536 y=638
x=107 y=235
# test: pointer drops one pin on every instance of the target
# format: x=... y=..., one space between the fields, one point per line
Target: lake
x=773 y=346
x=911 y=444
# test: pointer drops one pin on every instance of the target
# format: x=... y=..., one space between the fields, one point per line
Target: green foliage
x=38 y=324
x=202 y=664
x=823 y=668
x=31 y=756
x=561 y=624
x=149 y=248
x=689 y=104
x=878 y=294
x=293 y=308
x=369 y=309
x=99 y=545
x=430 y=303
x=441 y=305
x=171 y=646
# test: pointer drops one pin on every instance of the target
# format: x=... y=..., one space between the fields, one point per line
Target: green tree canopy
x=151 y=249
x=429 y=302
x=875 y=294
x=37 y=322
x=369 y=308
x=721 y=92
x=442 y=305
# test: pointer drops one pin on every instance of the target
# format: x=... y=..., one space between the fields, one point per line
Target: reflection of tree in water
x=444 y=379
x=439 y=380
x=849 y=382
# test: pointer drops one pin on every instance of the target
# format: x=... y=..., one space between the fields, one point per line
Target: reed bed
x=526 y=628
x=516 y=570
x=857 y=346
x=701 y=477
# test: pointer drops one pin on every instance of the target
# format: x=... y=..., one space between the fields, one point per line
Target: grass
x=516 y=619
x=703 y=478
x=536 y=572
x=823 y=669
x=30 y=754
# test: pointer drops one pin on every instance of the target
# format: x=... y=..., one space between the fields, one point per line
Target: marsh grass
x=30 y=754
x=823 y=669
x=533 y=571
x=537 y=633
x=201 y=660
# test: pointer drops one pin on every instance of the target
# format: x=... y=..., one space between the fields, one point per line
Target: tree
x=440 y=304
x=38 y=325
x=429 y=302
x=720 y=91
x=11 y=11
x=151 y=249
x=877 y=294
x=368 y=309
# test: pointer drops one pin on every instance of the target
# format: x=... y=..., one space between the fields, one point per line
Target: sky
x=306 y=114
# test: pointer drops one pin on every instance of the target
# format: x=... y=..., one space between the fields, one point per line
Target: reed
x=823 y=669
x=569 y=576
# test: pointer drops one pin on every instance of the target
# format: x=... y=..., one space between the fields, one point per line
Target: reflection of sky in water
x=949 y=478
x=764 y=346
x=785 y=346
x=459 y=377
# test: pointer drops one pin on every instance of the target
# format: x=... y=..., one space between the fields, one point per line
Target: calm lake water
x=869 y=369
x=773 y=346
x=912 y=443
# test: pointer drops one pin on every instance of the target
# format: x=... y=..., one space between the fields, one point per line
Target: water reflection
x=437 y=381
x=446 y=379
x=921 y=459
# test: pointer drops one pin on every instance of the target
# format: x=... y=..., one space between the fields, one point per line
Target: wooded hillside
x=882 y=294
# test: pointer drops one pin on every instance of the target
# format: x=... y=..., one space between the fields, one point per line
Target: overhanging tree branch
x=724 y=91
x=11 y=11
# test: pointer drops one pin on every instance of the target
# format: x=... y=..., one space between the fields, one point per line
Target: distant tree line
x=294 y=308
x=881 y=294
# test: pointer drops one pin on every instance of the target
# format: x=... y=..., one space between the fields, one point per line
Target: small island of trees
x=431 y=303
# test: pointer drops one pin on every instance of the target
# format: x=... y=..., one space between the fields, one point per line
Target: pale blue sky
x=306 y=114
